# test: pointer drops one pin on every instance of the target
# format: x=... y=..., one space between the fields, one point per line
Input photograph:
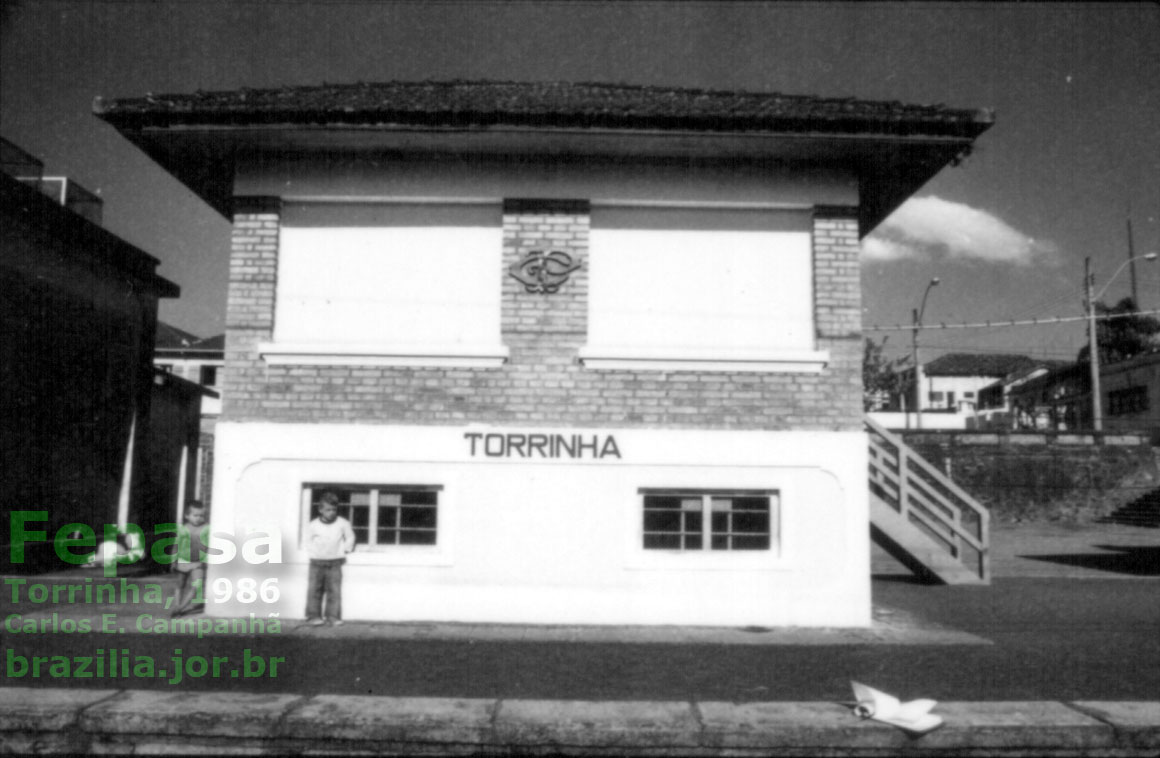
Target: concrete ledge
x=1137 y=724
x=625 y=726
x=54 y=721
x=393 y=719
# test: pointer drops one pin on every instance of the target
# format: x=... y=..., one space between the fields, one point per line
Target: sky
x=1074 y=154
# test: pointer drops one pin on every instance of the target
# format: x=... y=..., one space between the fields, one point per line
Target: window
x=384 y=515
x=388 y=284
x=1128 y=400
x=709 y=520
x=701 y=289
x=207 y=376
x=936 y=397
x=968 y=394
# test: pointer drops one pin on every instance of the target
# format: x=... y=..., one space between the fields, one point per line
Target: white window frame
x=707 y=532
x=488 y=353
x=311 y=489
x=762 y=359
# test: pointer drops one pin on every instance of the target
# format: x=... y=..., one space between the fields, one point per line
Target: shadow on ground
x=901 y=579
x=1121 y=559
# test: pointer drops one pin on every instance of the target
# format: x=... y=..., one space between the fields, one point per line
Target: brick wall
x=543 y=383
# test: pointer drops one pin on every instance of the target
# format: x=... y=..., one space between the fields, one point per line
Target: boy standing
x=190 y=564
x=328 y=539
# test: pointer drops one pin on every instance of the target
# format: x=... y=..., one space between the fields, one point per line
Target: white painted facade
x=953 y=392
x=533 y=539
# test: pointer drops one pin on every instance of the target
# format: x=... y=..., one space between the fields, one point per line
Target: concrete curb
x=53 y=721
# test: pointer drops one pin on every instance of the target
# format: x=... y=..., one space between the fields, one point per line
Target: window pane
x=661 y=501
x=741 y=523
x=751 y=543
x=416 y=538
x=662 y=521
x=388 y=516
x=418 y=518
x=693 y=542
x=693 y=522
x=388 y=536
x=662 y=541
x=750 y=522
x=359 y=517
x=418 y=497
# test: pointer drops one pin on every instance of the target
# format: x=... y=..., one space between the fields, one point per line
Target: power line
x=990 y=324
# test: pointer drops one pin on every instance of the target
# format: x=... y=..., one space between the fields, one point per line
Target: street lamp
x=1093 y=345
x=917 y=314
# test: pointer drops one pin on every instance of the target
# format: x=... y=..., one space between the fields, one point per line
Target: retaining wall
x=1034 y=476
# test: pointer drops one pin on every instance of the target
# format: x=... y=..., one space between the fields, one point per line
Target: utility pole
x=917 y=313
x=917 y=372
x=1132 y=265
x=1093 y=347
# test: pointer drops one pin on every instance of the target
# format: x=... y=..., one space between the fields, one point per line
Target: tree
x=882 y=383
x=1125 y=337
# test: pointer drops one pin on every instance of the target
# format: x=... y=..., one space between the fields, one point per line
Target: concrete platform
x=55 y=721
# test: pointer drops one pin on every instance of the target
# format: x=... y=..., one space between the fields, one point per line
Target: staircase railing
x=929 y=500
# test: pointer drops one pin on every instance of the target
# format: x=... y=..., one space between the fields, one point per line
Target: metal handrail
x=915 y=489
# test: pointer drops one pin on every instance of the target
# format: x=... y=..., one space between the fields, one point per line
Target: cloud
x=928 y=228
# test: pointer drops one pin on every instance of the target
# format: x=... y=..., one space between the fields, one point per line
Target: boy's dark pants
x=325 y=578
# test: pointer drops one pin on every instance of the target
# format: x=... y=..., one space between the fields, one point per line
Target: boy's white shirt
x=325 y=542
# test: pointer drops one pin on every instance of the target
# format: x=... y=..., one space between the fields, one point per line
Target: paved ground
x=1072 y=614
x=1051 y=550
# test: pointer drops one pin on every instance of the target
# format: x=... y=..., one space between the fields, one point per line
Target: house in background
x=77 y=324
x=1060 y=400
x=952 y=382
x=995 y=408
x=1131 y=392
x=196 y=360
x=566 y=353
x=199 y=361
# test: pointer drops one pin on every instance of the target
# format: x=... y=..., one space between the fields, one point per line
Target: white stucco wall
x=558 y=540
x=960 y=385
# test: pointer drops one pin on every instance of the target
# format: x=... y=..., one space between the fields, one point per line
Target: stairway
x=1143 y=511
x=922 y=518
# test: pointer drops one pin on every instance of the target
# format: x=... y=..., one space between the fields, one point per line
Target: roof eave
x=892 y=166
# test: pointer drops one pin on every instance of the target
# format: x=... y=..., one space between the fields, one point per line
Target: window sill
x=639 y=359
x=696 y=560
x=340 y=354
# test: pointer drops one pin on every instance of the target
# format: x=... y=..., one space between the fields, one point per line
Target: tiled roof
x=971 y=364
x=542 y=105
x=171 y=338
x=217 y=342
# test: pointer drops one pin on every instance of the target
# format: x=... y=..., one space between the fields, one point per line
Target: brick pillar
x=838 y=307
x=250 y=303
x=545 y=328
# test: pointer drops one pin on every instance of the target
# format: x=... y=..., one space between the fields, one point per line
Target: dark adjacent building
x=77 y=322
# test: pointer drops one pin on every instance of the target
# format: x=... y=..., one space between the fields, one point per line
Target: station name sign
x=594 y=446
